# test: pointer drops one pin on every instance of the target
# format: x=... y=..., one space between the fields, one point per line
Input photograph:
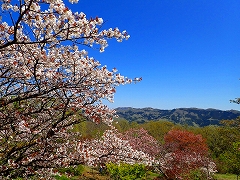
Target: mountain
x=190 y=116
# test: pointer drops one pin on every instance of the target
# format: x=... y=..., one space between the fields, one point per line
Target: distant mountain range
x=189 y=116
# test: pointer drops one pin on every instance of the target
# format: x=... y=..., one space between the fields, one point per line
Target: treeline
x=223 y=141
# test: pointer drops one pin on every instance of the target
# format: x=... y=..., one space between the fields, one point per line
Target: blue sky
x=186 y=51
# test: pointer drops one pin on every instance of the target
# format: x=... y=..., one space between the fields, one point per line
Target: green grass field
x=226 y=177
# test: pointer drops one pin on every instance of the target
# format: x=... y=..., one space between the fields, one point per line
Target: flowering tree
x=140 y=140
x=47 y=86
x=113 y=147
x=183 y=152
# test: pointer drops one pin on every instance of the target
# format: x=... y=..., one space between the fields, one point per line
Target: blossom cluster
x=53 y=25
x=140 y=140
x=112 y=147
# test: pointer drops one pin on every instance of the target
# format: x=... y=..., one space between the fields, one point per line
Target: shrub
x=72 y=171
x=125 y=171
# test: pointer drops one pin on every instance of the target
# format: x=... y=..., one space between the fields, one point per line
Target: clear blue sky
x=186 y=51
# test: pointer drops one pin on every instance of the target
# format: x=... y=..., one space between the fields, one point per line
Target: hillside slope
x=190 y=116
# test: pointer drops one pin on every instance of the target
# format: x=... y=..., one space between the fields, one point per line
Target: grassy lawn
x=226 y=177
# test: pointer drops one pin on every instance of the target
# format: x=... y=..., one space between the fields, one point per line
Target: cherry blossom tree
x=48 y=84
x=114 y=147
x=140 y=140
x=183 y=152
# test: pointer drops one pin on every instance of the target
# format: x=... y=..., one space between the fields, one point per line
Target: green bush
x=125 y=171
x=72 y=171
x=61 y=177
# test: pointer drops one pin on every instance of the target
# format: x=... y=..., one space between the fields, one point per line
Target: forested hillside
x=189 y=116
